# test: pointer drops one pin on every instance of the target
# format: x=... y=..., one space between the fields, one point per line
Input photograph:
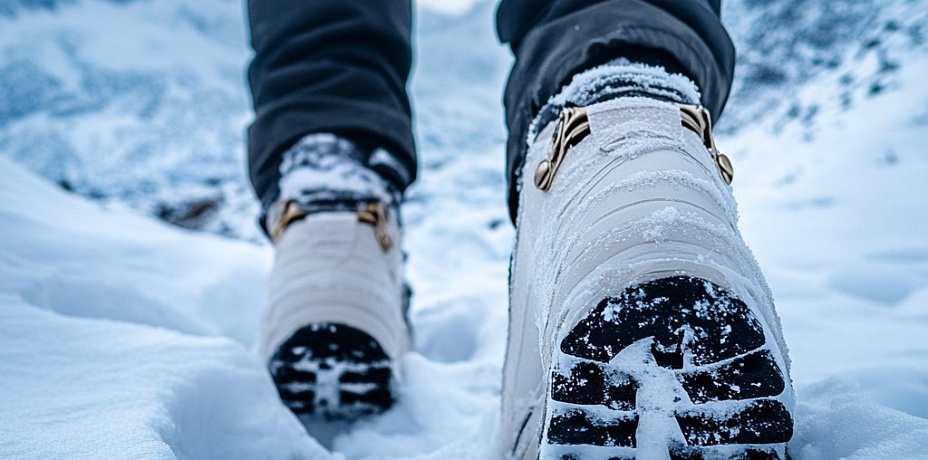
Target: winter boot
x=640 y=323
x=334 y=329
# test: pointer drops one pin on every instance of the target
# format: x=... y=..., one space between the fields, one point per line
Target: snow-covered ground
x=122 y=337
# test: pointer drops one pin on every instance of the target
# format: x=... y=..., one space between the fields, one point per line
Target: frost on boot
x=619 y=78
x=327 y=173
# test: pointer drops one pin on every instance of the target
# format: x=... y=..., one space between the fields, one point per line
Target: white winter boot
x=640 y=323
x=335 y=326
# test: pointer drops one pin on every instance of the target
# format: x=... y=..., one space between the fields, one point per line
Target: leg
x=331 y=153
x=328 y=66
x=555 y=40
x=640 y=325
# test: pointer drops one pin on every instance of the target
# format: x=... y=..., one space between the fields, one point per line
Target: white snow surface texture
x=123 y=337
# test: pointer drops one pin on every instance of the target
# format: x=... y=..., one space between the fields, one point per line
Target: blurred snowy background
x=123 y=337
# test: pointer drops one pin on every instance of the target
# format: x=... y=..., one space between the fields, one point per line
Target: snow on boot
x=335 y=327
x=640 y=323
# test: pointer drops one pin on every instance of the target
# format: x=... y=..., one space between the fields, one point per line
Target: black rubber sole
x=693 y=336
x=333 y=371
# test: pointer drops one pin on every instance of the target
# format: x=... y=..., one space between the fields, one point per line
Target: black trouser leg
x=341 y=66
x=334 y=66
x=554 y=40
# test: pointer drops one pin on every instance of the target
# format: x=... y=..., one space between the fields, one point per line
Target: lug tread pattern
x=578 y=426
x=754 y=375
x=589 y=383
x=763 y=421
x=711 y=342
x=751 y=453
x=333 y=371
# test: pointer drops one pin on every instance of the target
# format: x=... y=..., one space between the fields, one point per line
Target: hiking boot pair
x=640 y=323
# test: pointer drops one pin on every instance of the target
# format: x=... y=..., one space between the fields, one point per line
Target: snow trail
x=123 y=337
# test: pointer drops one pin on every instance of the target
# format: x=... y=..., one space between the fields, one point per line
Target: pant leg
x=329 y=66
x=554 y=39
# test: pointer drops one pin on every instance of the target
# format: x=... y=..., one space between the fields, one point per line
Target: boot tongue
x=326 y=168
x=327 y=173
x=619 y=78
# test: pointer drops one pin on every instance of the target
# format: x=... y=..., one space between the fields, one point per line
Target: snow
x=117 y=343
x=124 y=337
x=315 y=169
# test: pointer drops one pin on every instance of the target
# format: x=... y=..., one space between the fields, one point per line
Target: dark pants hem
x=576 y=35
x=335 y=66
x=342 y=66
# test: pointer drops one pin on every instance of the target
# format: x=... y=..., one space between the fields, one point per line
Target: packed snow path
x=122 y=337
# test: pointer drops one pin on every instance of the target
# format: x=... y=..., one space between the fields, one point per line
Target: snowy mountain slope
x=123 y=338
x=159 y=87
x=141 y=103
x=785 y=45
x=840 y=225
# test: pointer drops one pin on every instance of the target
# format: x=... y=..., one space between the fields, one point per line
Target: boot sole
x=333 y=371
x=677 y=366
